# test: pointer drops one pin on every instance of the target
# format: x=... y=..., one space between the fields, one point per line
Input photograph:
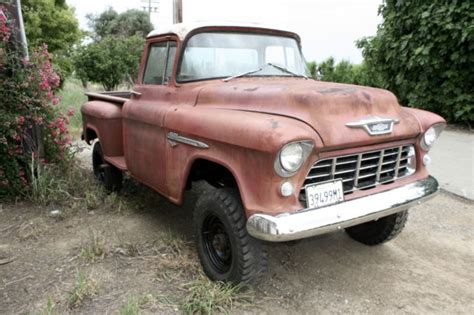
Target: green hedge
x=424 y=53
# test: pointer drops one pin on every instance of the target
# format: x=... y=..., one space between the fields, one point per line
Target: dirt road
x=147 y=252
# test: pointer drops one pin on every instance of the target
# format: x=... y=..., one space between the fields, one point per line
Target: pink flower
x=20 y=120
x=39 y=120
x=71 y=112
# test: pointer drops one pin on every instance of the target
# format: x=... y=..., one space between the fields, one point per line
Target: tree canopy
x=50 y=22
x=424 y=52
x=53 y=23
x=110 y=61
x=114 y=55
x=343 y=72
x=129 y=23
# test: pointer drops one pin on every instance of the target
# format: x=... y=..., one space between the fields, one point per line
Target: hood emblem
x=374 y=125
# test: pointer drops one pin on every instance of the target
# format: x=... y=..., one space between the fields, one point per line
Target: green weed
x=66 y=185
x=84 y=288
x=131 y=307
x=135 y=304
x=95 y=248
x=49 y=309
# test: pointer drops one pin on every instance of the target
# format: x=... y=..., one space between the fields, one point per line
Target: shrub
x=27 y=91
x=424 y=53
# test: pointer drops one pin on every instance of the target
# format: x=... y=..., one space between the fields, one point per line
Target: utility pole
x=177 y=11
x=33 y=137
x=22 y=29
x=150 y=6
x=14 y=9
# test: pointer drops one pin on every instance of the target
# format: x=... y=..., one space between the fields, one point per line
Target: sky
x=327 y=27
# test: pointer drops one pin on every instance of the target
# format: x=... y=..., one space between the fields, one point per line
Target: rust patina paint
x=245 y=122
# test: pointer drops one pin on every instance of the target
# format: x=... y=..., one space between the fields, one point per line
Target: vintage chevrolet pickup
x=289 y=157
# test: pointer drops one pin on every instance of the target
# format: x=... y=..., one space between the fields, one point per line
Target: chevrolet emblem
x=375 y=125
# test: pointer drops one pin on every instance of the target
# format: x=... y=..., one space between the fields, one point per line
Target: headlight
x=291 y=157
x=430 y=136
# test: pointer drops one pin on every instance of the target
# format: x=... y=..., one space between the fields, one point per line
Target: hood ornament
x=374 y=125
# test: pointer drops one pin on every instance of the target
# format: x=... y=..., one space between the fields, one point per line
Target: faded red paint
x=245 y=122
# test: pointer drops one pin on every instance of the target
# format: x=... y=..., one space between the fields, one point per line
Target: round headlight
x=430 y=136
x=291 y=157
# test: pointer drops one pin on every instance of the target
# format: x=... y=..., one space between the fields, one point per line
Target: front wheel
x=226 y=251
x=380 y=231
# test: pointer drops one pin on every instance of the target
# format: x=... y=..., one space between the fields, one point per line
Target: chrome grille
x=363 y=170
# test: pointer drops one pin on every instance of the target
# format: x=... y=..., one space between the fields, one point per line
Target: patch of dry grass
x=177 y=259
x=32 y=229
x=206 y=297
x=136 y=303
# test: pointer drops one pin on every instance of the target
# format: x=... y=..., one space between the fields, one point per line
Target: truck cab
x=289 y=157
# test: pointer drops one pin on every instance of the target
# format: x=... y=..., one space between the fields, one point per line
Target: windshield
x=223 y=55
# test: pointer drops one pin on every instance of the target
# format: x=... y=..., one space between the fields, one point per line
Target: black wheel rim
x=217 y=245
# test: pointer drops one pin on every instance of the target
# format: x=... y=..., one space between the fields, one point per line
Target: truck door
x=144 y=137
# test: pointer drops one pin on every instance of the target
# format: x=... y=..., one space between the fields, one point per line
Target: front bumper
x=310 y=222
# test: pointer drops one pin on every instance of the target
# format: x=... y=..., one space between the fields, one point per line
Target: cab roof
x=182 y=30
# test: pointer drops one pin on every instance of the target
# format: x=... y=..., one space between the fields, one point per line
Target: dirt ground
x=147 y=252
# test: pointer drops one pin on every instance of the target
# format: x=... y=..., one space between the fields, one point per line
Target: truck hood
x=324 y=106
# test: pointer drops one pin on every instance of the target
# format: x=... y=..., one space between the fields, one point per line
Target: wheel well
x=214 y=173
x=90 y=134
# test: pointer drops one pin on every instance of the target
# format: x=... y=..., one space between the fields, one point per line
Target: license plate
x=325 y=194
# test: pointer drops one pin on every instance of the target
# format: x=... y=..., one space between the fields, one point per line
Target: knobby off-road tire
x=107 y=174
x=226 y=251
x=380 y=231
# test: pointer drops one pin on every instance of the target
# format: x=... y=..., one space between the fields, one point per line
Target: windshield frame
x=243 y=31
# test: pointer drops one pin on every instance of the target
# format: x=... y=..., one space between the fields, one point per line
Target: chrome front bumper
x=310 y=222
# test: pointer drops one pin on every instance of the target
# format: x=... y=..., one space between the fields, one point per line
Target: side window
x=159 y=63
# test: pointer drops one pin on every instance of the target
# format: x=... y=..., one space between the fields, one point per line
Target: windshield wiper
x=243 y=74
x=287 y=70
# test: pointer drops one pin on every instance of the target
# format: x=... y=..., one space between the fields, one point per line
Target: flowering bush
x=27 y=107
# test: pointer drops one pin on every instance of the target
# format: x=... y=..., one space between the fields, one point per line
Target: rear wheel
x=226 y=251
x=107 y=174
x=380 y=231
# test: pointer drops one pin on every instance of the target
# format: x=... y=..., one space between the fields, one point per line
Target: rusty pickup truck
x=288 y=157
